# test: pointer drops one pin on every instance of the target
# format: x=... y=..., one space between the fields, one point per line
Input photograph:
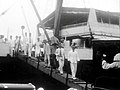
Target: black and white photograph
x=59 y=44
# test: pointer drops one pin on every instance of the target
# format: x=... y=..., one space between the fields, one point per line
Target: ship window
x=107 y=17
x=82 y=43
x=88 y=43
x=74 y=17
x=79 y=42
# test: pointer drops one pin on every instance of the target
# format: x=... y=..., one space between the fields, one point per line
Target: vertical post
x=119 y=20
x=119 y=15
x=66 y=78
x=58 y=12
x=67 y=73
x=86 y=86
x=119 y=25
x=51 y=70
x=38 y=32
x=38 y=58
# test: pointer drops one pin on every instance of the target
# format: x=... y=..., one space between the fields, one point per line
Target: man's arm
x=105 y=65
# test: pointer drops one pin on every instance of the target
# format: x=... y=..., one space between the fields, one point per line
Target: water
x=16 y=71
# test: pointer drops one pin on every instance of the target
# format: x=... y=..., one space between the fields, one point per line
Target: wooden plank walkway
x=64 y=78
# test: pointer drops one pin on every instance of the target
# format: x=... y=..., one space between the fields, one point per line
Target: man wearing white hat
x=30 y=45
x=38 y=48
x=25 y=43
x=46 y=52
x=11 y=46
x=73 y=58
x=16 y=45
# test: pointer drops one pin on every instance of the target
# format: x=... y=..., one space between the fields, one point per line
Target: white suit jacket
x=73 y=56
x=46 y=48
x=60 y=54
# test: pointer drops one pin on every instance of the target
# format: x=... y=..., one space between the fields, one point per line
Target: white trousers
x=73 y=69
x=37 y=52
x=11 y=51
x=47 y=57
x=25 y=47
x=61 y=64
x=29 y=49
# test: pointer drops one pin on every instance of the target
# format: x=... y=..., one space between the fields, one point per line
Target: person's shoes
x=74 y=78
x=61 y=73
x=29 y=57
x=48 y=66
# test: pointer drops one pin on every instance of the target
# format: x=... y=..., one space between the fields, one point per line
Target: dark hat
x=73 y=45
x=1 y=36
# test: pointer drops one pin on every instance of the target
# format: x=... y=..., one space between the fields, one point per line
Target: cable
x=90 y=4
x=25 y=18
x=4 y=12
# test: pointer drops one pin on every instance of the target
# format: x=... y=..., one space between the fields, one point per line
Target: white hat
x=104 y=55
x=72 y=89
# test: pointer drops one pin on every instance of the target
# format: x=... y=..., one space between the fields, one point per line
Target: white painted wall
x=4 y=49
x=74 y=31
x=96 y=27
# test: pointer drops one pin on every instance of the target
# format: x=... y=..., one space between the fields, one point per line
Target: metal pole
x=119 y=15
x=58 y=12
x=119 y=25
x=42 y=25
x=25 y=18
x=67 y=73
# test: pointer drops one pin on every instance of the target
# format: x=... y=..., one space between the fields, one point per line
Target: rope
x=4 y=12
x=25 y=18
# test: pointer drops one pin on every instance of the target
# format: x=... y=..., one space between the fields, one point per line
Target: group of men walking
x=73 y=58
x=52 y=52
x=18 y=44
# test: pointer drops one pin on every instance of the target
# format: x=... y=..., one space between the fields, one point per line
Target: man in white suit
x=11 y=46
x=46 y=52
x=30 y=43
x=73 y=58
x=38 y=48
x=25 y=42
x=16 y=45
x=60 y=56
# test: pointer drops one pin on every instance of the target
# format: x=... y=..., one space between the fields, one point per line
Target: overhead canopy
x=108 y=17
x=74 y=17
x=106 y=43
x=69 y=16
